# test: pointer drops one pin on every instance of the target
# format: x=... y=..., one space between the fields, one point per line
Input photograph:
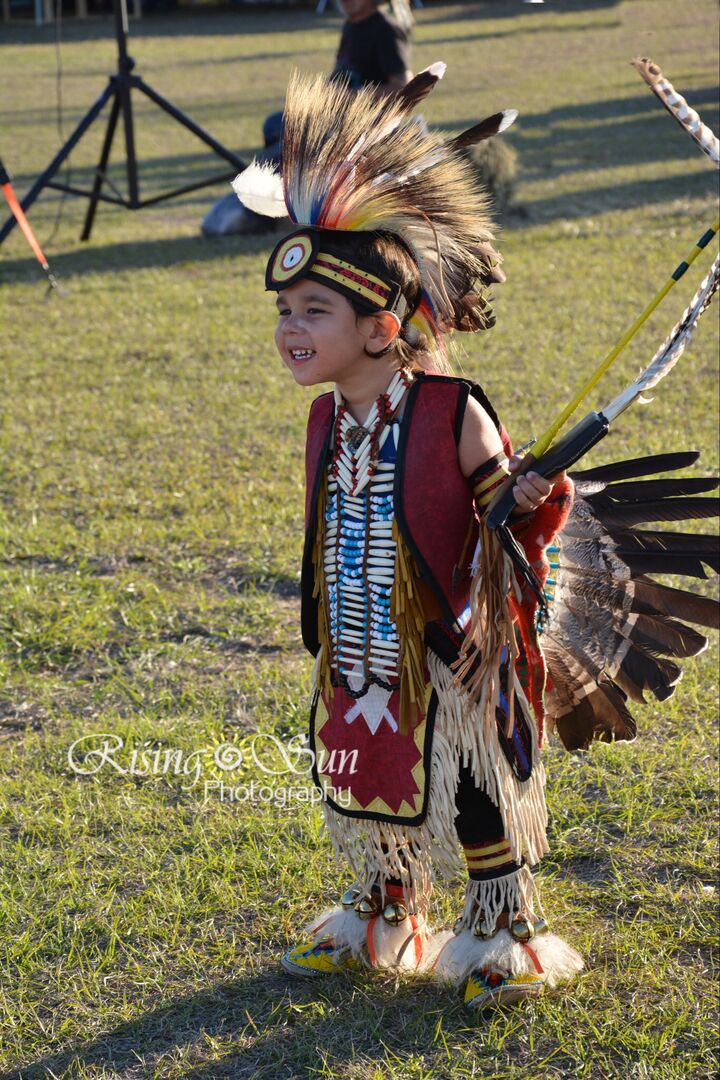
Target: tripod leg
x=181 y=118
x=132 y=173
x=102 y=166
x=57 y=161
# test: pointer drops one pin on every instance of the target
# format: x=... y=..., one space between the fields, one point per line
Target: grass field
x=151 y=529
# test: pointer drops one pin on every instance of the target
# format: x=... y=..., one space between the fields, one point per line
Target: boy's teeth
x=301 y=354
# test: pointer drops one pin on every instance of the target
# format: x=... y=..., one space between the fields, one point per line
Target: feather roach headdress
x=360 y=161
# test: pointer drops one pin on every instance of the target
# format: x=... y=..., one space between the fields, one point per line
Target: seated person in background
x=374 y=50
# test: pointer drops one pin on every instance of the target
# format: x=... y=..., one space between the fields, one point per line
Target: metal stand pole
x=100 y=171
x=119 y=89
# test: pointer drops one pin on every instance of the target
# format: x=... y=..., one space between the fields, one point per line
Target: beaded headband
x=299 y=256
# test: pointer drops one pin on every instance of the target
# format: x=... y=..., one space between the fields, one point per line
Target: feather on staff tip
x=678 y=107
x=672 y=348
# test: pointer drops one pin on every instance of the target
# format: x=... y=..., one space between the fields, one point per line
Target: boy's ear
x=386 y=327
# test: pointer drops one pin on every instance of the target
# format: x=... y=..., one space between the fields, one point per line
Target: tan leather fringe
x=323 y=661
x=472 y=736
x=486 y=901
x=379 y=850
x=407 y=613
x=491 y=624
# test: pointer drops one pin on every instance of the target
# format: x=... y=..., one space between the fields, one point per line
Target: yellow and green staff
x=594 y=426
x=546 y=439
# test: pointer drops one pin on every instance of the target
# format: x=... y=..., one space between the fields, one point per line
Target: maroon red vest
x=433 y=500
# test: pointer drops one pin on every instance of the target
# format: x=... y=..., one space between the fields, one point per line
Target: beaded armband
x=486 y=480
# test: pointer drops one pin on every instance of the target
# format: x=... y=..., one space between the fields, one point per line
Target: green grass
x=150 y=535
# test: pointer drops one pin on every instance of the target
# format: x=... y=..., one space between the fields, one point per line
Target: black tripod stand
x=118 y=91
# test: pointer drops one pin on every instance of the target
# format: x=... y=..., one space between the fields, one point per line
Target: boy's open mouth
x=302 y=354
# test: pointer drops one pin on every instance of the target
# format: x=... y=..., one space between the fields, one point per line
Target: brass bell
x=522 y=929
x=483 y=930
x=541 y=926
x=348 y=898
x=395 y=913
x=366 y=907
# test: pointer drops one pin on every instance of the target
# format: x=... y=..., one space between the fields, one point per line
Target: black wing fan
x=614 y=633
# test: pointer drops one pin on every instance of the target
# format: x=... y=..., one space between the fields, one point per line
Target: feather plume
x=491 y=125
x=423 y=83
x=672 y=348
x=260 y=188
x=678 y=107
x=615 y=634
x=358 y=160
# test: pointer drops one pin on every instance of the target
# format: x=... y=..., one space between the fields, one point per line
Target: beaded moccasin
x=316 y=959
x=487 y=989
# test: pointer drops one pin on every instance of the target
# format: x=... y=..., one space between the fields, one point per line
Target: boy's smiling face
x=321 y=339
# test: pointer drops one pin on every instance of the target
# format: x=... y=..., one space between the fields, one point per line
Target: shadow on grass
x=134 y=255
x=593 y=869
x=240 y=580
x=156 y=174
x=601 y=200
x=276 y=1023
x=140 y=255
x=511 y=9
x=211 y=23
x=605 y=134
x=550 y=28
x=101 y=74
x=619 y=132
x=616 y=133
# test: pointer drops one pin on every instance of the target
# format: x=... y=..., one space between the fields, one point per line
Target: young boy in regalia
x=427 y=716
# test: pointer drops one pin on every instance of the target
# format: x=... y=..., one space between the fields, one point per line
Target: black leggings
x=479 y=822
x=478 y=819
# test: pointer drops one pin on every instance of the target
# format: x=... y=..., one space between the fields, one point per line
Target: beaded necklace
x=357 y=445
x=359 y=549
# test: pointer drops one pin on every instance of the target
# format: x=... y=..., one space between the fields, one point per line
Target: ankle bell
x=524 y=930
x=367 y=907
x=484 y=930
x=395 y=913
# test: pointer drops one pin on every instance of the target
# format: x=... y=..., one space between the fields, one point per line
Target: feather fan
x=615 y=634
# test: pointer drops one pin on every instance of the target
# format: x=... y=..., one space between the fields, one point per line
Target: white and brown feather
x=678 y=107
